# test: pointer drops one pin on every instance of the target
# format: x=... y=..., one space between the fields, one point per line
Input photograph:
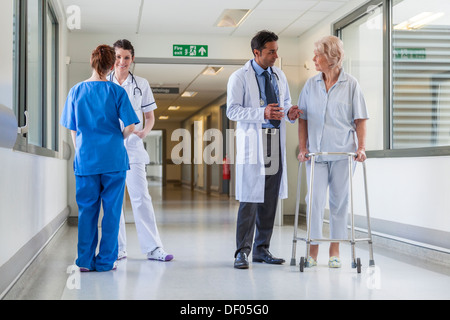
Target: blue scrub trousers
x=92 y=191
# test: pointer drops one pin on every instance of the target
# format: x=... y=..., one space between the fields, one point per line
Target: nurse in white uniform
x=333 y=120
x=141 y=97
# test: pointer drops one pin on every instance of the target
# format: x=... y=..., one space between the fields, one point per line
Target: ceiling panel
x=289 y=5
x=106 y=16
x=327 y=6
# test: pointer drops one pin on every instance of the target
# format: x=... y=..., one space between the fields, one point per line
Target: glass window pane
x=51 y=84
x=363 y=45
x=34 y=74
x=421 y=74
x=15 y=56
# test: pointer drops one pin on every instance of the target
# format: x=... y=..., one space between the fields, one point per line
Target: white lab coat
x=243 y=106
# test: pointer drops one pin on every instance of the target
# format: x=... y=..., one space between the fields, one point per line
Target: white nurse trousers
x=332 y=174
x=144 y=215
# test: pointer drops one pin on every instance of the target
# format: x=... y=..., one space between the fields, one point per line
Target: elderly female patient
x=333 y=120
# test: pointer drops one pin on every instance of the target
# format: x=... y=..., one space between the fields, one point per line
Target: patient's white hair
x=333 y=49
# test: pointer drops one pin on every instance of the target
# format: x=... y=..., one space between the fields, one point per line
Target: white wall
x=408 y=196
x=413 y=191
x=33 y=193
x=33 y=189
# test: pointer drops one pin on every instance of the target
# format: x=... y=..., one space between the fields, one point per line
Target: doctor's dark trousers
x=92 y=191
x=261 y=216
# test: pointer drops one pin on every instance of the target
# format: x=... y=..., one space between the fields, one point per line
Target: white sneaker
x=159 y=254
x=122 y=255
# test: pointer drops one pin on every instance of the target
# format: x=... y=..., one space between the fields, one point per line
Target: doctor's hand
x=273 y=112
x=294 y=113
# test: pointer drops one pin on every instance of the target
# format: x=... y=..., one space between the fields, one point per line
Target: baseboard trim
x=16 y=266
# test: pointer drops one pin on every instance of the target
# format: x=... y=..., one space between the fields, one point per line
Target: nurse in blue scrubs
x=93 y=111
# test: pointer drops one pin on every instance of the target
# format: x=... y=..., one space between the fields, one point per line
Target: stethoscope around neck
x=261 y=100
x=111 y=78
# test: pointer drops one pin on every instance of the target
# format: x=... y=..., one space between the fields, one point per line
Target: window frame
x=387 y=151
x=20 y=78
x=55 y=73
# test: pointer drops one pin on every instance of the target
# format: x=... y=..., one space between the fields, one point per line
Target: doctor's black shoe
x=241 y=261
x=267 y=258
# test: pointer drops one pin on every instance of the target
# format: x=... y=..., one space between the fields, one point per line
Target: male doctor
x=259 y=100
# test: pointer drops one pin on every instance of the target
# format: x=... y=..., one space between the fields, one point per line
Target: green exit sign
x=190 y=50
x=410 y=53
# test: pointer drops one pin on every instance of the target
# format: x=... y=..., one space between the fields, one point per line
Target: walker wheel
x=302 y=263
x=358 y=265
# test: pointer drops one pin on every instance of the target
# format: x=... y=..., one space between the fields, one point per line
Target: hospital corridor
x=225 y=153
x=199 y=230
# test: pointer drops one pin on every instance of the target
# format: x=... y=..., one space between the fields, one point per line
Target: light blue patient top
x=93 y=110
x=331 y=115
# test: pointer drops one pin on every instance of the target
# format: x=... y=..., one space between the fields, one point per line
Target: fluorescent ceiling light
x=163 y=117
x=232 y=17
x=426 y=20
x=419 y=21
x=174 y=107
x=212 y=71
x=189 y=94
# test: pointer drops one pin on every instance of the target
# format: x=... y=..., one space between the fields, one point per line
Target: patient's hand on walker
x=302 y=155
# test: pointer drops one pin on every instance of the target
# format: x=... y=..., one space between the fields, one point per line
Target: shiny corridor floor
x=199 y=231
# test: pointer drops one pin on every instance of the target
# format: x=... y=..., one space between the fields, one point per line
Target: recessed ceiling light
x=189 y=94
x=163 y=117
x=232 y=17
x=212 y=71
x=419 y=21
x=174 y=107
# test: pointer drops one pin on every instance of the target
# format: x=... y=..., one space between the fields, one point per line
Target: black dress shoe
x=241 y=261
x=267 y=258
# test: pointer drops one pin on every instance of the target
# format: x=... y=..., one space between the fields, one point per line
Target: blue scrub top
x=93 y=110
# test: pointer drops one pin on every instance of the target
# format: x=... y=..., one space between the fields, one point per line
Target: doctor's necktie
x=270 y=97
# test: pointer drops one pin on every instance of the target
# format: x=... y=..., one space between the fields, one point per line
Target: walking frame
x=356 y=262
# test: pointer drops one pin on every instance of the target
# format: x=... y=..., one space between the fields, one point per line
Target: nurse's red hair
x=102 y=59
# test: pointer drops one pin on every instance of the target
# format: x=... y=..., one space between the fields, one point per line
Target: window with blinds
x=421 y=87
x=36 y=41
